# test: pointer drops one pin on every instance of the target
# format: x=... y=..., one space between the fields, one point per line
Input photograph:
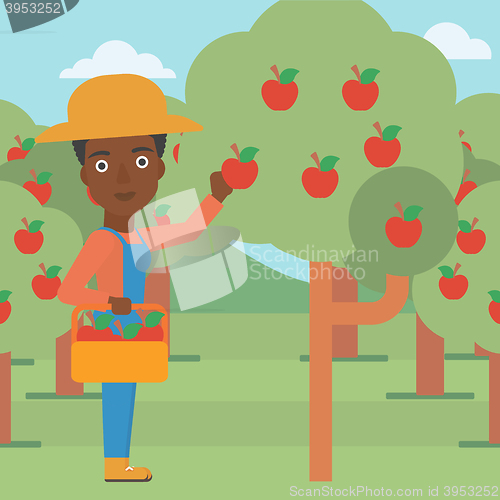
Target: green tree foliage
x=69 y=194
x=33 y=322
x=14 y=121
x=322 y=40
x=467 y=318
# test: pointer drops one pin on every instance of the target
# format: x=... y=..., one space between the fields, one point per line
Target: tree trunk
x=323 y=313
x=320 y=379
x=430 y=361
x=5 y=398
x=158 y=292
x=494 y=363
x=65 y=385
x=344 y=337
x=479 y=351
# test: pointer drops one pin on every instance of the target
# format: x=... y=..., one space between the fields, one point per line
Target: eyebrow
x=98 y=153
x=136 y=150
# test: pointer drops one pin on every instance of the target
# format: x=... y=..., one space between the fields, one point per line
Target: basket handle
x=106 y=307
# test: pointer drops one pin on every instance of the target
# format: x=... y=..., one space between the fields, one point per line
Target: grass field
x=235 y=425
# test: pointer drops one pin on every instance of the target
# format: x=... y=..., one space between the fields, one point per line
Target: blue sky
x=176 y=31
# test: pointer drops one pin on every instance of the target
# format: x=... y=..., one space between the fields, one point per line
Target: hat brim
x=71 y=132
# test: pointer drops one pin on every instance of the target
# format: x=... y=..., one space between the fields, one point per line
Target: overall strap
x=116 y=233
x=143 y=242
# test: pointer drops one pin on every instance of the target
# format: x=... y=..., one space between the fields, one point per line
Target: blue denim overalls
x=118 y=398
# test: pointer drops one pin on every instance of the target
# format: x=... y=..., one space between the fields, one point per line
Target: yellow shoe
x=119 y=470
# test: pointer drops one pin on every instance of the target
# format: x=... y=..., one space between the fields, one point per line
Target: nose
x=122 y=177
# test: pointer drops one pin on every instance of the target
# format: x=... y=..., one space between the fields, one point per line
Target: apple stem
x=378 y=128
x=119 y=326
x=314 y=156
x=236 y=152
x=357 y=73
x=457 y=267
x=461 y=133
x=142 y=314
x=90 y=316
x=274 y=69
x=466 y=174
x=25 y=222
x=399 y=208
x=42 y=267
x=33 y=173
x=18 y=140
x=474 y=222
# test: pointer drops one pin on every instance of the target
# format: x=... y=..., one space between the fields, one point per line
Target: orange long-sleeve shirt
x=102 y=255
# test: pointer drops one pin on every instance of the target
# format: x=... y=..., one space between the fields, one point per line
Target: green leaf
x=248 y=154
x=368 y=76
x=4 y=295
x=28 y=144
x=411 y=213
x=162 y=210
x=328 y=163
x=103 y=321
x=464 y=226
x=391 y=132
x=153 y=319
x=131 y=331
x=495 y=295
x=43 y=177
x=288 y=75
x=35 y=226
x=446 y=271
x=53 y=271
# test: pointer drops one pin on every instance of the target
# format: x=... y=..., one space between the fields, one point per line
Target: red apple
x=470 y=240
x=99 y=330
x=494 y=307
x=29 y=240
x=465 y=188
x=452 y=287
x=361 y=94
x=23 y=149
x=40 y=187
x=160 y=214
x=383 y=151
x=46 y=286
x=240 y=172
x=90 y=197
x=321 y=181
x=281 y=94
x=175 y=151
x=150 y=330
x=466 y=144
x=5 y=307
x=404 y=231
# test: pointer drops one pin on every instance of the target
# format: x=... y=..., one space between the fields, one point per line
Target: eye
x=101 y=166
x=142 y=162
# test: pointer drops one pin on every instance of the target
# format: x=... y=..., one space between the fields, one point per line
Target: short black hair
x=160 y=142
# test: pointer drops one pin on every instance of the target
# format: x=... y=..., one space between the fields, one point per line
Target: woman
x=118 y=125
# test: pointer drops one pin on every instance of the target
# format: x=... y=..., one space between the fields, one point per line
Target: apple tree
x=464 y=305
x=33 y=322
x=405 y=90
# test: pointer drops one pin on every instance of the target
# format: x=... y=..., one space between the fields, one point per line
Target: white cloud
x=116 y=57
x=455 y=43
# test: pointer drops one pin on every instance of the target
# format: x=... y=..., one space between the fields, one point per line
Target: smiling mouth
x=125 y=196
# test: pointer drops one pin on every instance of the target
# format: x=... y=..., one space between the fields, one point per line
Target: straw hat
x=117 y=106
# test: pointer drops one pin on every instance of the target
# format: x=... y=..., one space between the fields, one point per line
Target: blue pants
x=117 y=415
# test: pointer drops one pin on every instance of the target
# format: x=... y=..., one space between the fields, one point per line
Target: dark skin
x=122 y=174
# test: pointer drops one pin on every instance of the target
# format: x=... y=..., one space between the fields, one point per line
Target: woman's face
x=122 y=173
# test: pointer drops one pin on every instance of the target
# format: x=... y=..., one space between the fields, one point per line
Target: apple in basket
x=99 y=330
x=150 y=329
